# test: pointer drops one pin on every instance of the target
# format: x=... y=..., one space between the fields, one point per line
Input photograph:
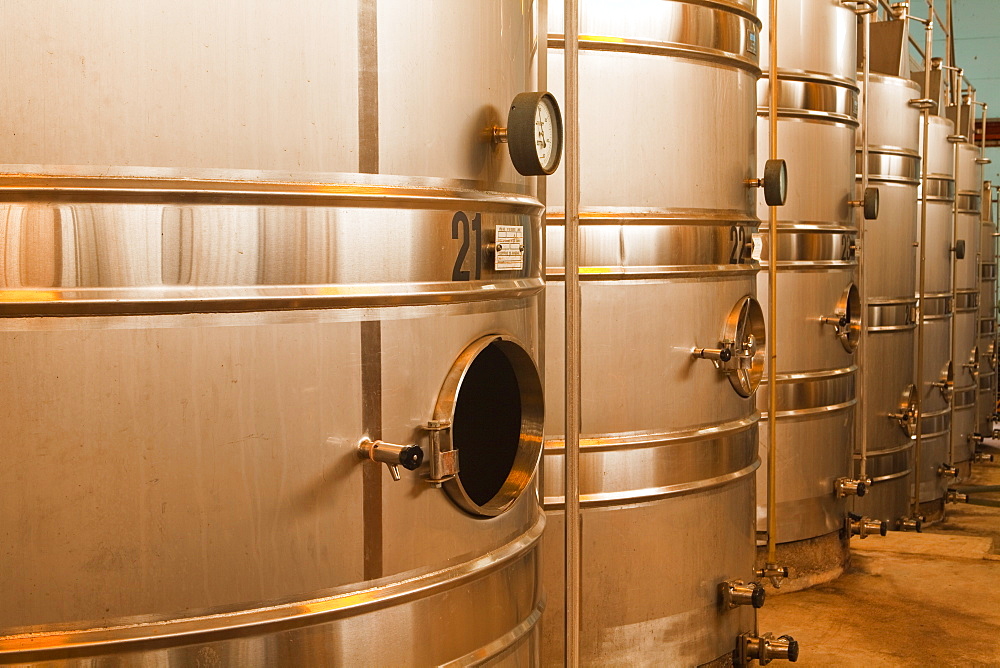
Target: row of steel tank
x=327 y=269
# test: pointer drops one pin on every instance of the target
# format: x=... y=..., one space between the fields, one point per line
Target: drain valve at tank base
x=410 y=457
x=850 y=487
x=866 y=526
x=764 y=648
x=734 y=593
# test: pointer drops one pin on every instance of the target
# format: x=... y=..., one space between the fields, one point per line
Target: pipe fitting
x=735 y=593
x=410 y=457
x=976 y=439
x=765 y=648
x=982 y=457
x=947 y=471
x=774 y=573
x=850 y=487
x=910 y=524
x=866 y=526
x=955 y=496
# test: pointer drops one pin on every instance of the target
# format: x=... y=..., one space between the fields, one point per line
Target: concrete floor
x=921 y=600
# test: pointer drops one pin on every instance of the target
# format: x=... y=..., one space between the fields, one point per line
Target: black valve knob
x=960 y=249
x=793 y=648
x=725 y=355
x=885 y=528
x=758 y=596
x=862 y=490
x=411 y=457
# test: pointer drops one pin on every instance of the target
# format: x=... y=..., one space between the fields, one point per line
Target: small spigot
x=850 y=487
x=410 y=457
x=947 y=471
x=910 y=524
x=765 y=648
x=954 y=496
x=735 y=593
x=714 y=354
x=866 y=526
x=946 y=387
x=981 y=457
x=774 y=573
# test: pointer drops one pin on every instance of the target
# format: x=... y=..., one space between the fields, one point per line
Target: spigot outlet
x=954 y=496
x=947 y=471
x=715 y=354
x=765 y=648
x=736 y=593
x=774 y=573
x=910 y=524
x=982 y=457
x=850 y=487
x=410 y=457
x=866 y=526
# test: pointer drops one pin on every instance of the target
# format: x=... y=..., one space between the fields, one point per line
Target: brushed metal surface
x=235 y=254
x=667 y=93
x=817 y=40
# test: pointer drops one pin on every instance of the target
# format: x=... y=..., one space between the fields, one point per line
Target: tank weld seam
x=595 y=273
x=888 y=451
x=811 y=412
x=502 y=644
x=695 y=217
x=234 y=623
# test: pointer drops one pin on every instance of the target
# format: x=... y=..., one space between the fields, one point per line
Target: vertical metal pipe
x=772 y=297
x=953 y=257
x=863 y=287
x=571 y=462
x=921 y=303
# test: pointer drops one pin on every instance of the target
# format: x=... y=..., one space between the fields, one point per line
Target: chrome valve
x=765 y=648
x=736 y=593
x=955 y=496
x=774 y=573
x=410 y=457
x=910 y=524
x=982 y=457
x=714 y=354
x=947 y=471
x=866 y=526
x=849 y=487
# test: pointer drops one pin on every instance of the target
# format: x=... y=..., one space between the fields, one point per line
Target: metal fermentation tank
x=986 y=403
x=819 y=314
x=237 y=239
x=965 y=341
x=669 y=446
x=890 y=276
x=937 y=311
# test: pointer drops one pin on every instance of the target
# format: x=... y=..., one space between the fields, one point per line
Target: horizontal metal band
x=988 y=271
x=966 y=300
x=810 y=393
x=891 y=476
x=872 y=454
x=936 y=423
x=965 y=397
x=645 y=244
x=940 y=189
x=987 y=381
x=890 y=167
x=132 y=634
x=987 y=327
x=504 y=643
x=803 y=247
x=892 y=316
x=811 y=98
x=968 y=202
x=938 y=306
x=716 y=32
x=625 y=468
x=154 y=242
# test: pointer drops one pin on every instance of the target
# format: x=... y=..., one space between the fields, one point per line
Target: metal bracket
x=443 y=457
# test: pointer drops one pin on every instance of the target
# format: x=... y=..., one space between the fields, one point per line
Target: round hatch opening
x=493 y=400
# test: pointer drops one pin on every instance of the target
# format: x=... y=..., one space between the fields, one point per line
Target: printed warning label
x=509 y=248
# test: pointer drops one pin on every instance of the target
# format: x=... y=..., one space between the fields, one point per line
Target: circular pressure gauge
x=535 y=134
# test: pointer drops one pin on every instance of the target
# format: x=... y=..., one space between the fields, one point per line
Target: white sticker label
x=509 y=248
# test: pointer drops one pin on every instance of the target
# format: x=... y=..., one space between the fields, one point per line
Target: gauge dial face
x=545 y=134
